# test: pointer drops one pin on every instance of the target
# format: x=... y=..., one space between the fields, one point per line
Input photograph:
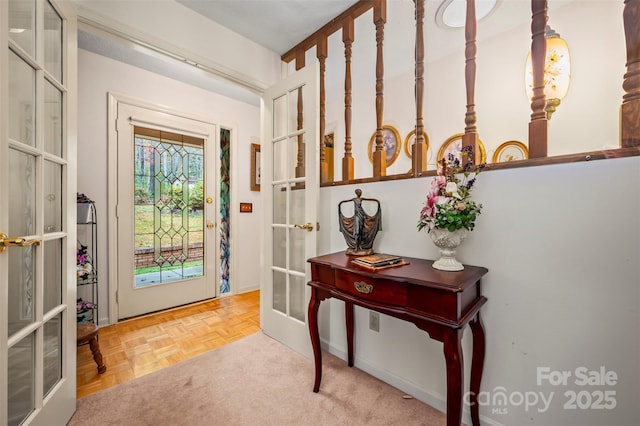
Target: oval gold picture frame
x=392 y=144
x=448 y=146
x=410 y=140
x=511 y=151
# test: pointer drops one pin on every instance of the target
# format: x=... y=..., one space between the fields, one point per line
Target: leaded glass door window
x=169 y=206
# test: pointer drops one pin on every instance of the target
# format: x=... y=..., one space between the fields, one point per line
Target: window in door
x=169 y=204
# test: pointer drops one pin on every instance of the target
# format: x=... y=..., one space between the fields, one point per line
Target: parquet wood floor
x=139 y=346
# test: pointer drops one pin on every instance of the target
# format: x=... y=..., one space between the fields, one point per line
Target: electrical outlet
x=374 y=321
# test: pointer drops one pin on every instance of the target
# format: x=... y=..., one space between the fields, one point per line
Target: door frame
x=112 y=172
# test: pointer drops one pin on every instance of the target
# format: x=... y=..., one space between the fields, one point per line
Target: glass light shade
x=557 y=69
x=452 y=13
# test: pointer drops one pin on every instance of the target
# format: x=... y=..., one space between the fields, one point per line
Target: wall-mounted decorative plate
x=454 y=144
x=411 y=139
x=511 y=151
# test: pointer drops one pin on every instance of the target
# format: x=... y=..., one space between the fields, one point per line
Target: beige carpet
x=254 y=381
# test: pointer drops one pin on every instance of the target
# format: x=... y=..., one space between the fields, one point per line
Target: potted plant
x=449 y=212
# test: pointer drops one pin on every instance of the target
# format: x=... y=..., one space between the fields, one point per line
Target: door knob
x=15 y=242
x=210 y=225
x=308 y=226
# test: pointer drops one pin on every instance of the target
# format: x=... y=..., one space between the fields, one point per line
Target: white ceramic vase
x=447 y=242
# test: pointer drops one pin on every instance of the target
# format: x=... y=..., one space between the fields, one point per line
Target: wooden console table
x=440 y=303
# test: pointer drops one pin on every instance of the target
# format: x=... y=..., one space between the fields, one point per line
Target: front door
x=166 y=210
x=290 y=185
x=37 y=212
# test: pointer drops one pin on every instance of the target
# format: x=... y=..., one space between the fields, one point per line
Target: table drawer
x=375 y=289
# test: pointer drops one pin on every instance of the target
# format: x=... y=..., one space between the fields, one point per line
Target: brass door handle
x=308 y=226
x=15 y=242
x=210 y=225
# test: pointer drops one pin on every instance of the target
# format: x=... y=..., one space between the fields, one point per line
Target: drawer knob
x=363 y=287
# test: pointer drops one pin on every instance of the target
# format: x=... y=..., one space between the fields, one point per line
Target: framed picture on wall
x=392 y=144
x=255 y=167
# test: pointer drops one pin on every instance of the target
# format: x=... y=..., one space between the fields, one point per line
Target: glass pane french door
x=37 y=225
x=290 y=195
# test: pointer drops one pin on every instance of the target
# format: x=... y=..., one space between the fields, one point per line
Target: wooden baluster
x=630 y=110
x=347 y=39
x=419 y=149
x=379 y=155
x=538 y=124
x=470 y=136
x=321 y=54
x=299 y=171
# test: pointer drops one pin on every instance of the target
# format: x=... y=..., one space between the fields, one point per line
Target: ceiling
x=276 y=24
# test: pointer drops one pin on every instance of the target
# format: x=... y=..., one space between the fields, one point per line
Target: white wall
x=563 y=252
x=97 y=77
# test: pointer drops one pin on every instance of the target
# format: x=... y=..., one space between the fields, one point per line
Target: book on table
x=378 y=260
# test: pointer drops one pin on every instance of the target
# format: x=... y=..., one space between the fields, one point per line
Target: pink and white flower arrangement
x=448 y=204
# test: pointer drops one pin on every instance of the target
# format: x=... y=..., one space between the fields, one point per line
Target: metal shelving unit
x=87 y=273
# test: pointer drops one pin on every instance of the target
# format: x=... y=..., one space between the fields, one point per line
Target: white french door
x=290 y=189
x=37 y=212
x=166 y=210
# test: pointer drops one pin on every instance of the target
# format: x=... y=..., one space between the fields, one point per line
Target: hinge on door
x=317 y=226
x=117 y=296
